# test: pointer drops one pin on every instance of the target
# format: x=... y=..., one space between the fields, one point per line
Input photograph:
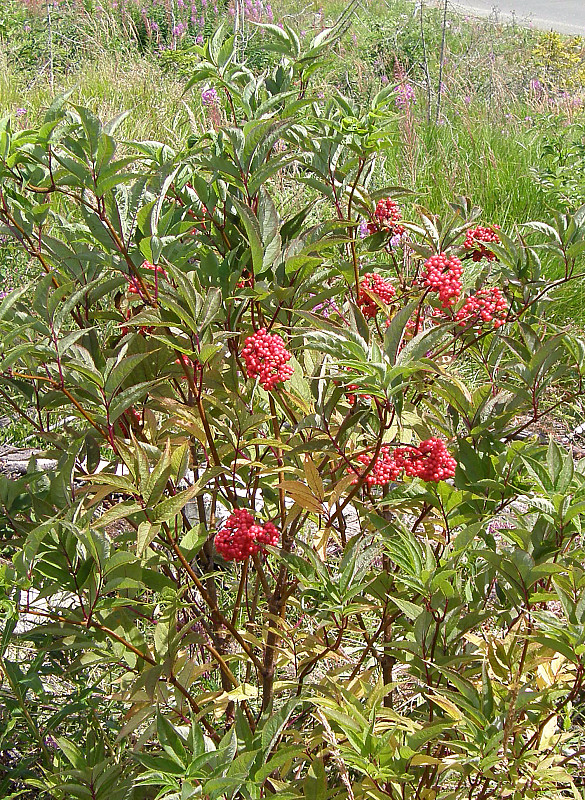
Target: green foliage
x=415 y=639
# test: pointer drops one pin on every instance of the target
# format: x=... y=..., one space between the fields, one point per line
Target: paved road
x=566 y=16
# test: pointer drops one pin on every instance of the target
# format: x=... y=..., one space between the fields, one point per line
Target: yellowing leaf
x=447 y=706
x=302 y=495
x=313 y=478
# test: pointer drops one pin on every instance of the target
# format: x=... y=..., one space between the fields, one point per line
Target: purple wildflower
x=326 y=308
x=209 y=97
x=405 y=95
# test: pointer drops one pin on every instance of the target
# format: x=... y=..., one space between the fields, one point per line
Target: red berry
x=374 y=284
x=443 y=275
x=266 y=358
x=242 y=536
x=486 y=305
x=351 y=393
x=245 y=280
x=474 y=238
x=185 y=361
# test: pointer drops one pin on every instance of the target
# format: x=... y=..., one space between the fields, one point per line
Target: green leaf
x=211 y=306
x=147 y=533
x=169 y=508
x=411 y=610
x=252 y=228
x=159 y=477
x=395 y=331
x=315 y=783
x=275 y=724
x=127 y=398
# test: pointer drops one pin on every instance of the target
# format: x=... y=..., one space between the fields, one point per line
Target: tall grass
x=112 y=84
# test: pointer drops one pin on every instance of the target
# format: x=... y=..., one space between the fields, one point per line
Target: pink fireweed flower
x=405 y=95
x=209 y=97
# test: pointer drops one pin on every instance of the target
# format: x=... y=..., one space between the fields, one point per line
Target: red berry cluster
x=134 y=287
x=185 y=361
x=388 y=214
x=374 y=284
x=131 y=419
x=430 y=461
x=384 y=470
x=245 y=280
x=242 y=536
x=474 y=238
x=443 y=275
x=487 y=305
x=265 y=356
x=143 y=330
x=351 y=390
x=415 y=324
x=352 y=397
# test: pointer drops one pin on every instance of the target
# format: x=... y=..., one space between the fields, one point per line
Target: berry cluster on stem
x=373 y=284
x=477 y=238
x=430 y=461
x=242 y=536
x=351 y=390
x=188 y=363
x=266 y=357
x=485 y=306
x=388 y=215
x=443 y=275
x=134 y=287
x=383 y=470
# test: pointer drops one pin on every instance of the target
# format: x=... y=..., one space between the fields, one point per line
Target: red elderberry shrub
x=388 y=214
x=475 y=239
x=266 y=358
x=486 y=305
x=430 y=461
x=242 y=536
x=377 y=285
x=443 y=275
